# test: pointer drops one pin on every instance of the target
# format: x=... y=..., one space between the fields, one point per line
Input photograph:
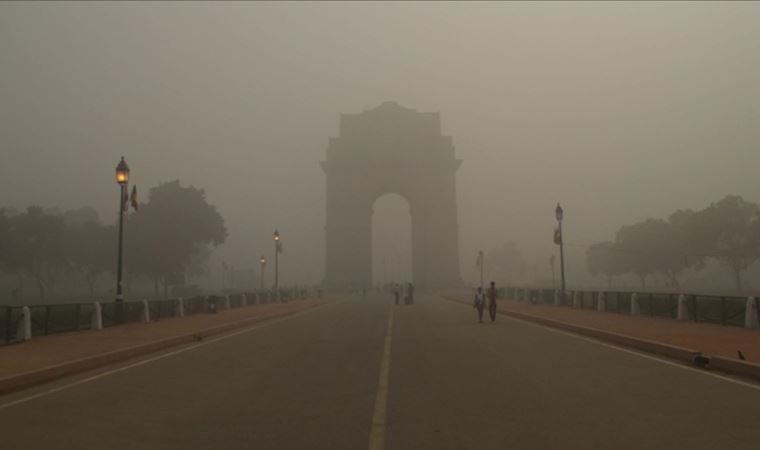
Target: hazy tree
x=604 y=258
x=506 y=260
x=34 y=246
x=80 y=216
x=727 y=230
x=90 y=246
x=166 y=236
x=198 y=265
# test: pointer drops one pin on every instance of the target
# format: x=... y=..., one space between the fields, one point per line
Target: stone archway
x=391 y=149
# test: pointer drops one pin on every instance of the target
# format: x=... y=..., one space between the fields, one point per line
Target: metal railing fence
x=724 y=310
x=60 y=318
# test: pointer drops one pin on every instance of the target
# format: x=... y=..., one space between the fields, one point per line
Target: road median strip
x=21 y=381
x=687 y=355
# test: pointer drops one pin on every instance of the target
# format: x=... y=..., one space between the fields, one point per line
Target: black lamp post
x=559 y=213
x=263 y=262
x=276 y=238
x=122 y=178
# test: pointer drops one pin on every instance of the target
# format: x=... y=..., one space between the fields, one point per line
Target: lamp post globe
x=122 y=172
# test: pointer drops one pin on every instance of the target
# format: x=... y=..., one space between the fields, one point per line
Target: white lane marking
x=161 y=356
x=379 y=416
x=632 y=352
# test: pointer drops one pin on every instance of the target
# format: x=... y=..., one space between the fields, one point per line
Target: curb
x=18 y=382
x=679 y=353
x=687 y=355
x=735 y=366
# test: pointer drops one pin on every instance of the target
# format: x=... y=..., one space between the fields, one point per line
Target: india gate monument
x=391 y=150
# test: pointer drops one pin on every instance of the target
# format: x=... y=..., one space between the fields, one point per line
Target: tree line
x=727 y=231
x=167 y=241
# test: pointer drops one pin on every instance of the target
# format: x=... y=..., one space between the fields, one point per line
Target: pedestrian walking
x=410 y=293
x=396 y=294
x=492 y=301
x=480 y=303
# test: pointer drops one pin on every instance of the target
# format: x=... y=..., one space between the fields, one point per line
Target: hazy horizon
x=620 y=111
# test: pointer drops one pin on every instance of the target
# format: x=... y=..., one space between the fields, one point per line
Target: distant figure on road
x=396 y=294
x=480 y=303
x=492 y=301
x=410 y=293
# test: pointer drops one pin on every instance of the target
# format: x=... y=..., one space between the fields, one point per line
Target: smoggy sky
x=619 y=111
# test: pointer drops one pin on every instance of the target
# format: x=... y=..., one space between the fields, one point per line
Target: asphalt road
x=311 y=382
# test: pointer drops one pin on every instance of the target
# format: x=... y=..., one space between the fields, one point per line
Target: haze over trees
x=727 y=231
x=168 y=241
x=171 y=233
x=506 y=262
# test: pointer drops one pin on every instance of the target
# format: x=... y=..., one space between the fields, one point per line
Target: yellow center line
x=379 y=416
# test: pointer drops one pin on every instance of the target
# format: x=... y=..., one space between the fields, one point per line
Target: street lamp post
x=263 y=262
x=276 y=238
x=559 y=214
x=122 y=178
x=554 y=277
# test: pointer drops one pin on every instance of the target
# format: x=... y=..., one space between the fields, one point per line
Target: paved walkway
x=56 y=349
x=707 y=338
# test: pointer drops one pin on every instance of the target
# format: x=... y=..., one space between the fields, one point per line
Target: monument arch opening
x=391 y=240
x=391 y=149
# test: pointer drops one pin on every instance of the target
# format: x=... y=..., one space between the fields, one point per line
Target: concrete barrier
x=601 y=302
x=750 y=314
x=635 y=307
x=96 y=320
x=24 y=327
x=145 y=312
x=735 y=366
x=671 y=351
x=683 y=310
x=21 y=381
x=180 y=307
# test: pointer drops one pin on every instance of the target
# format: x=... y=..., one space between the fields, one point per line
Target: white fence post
x=24 y=329
x=226 y=302
x=557 y=300
x=683 y=311
x=750 y=314
x=601 y=302
x=96 y=322
x=243 y=300
x=180 y=307
x=635 y=308
x=145 y=312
